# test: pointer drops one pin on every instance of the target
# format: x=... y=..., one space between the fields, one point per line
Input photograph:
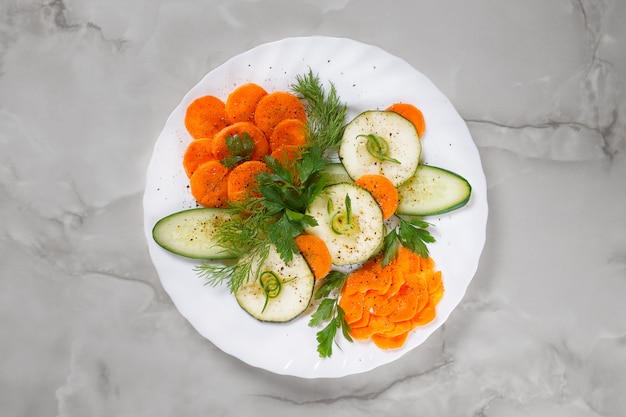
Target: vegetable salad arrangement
x=301 y=211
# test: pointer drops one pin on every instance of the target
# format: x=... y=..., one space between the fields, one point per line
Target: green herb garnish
x=329 y=311
x=240 y=147
x=325 y=112
x=378 y=148
x=410 y=233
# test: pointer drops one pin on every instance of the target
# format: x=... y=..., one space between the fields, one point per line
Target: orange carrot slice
x=363 y=321
x=425 y=316
x=242 y=182
x=390 y=342
x=352 y=305
x=288 y=132
x=205 y=116
x=240 y=129
x=198 y=152
x=242 y=101
x=209 y=184
x=383 y=191
x=412 y=113
x=316 y=254
x=287 y=155
x=276 y=107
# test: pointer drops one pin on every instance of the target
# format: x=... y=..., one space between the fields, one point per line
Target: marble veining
x=87 y=329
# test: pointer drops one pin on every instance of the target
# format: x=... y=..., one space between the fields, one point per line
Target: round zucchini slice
x=350 y=222
x=380 y=142
x=277 y=291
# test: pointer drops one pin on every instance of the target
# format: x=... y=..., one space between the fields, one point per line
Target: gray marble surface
x=87 y=329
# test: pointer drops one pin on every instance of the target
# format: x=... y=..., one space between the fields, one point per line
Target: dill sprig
x=235 y=274
x=325 y=112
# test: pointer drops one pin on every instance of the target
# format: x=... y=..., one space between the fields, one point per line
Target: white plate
x=366 y=78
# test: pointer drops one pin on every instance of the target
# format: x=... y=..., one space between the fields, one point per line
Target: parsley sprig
x=411 y=233
x=331 y=312
x=286 y=195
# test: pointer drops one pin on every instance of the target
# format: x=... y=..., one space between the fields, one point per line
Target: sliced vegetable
x=336 y=173
x=277 y=291
x=209 y=184
x=433 y=190
x=315 y=253
x=383 y=143
x=191 y=233
x=382 y=190
x=240 y=131
x=205 y=116
x=197 y=152
x=412 y=113
x=349 y=221
x=242 y=101
x=288 y=132
x=241 y=180
x=276 y=107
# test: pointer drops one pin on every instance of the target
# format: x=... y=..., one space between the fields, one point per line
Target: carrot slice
x=276 y=107
x=316 y=254
x=205 y=116
x=383 y=191
x=288 y=132
x=412 y=113
x=363 y=321
x=209 y=184
x=242 y=101
x=377 y=303
x=407 y=303
x=198 y=152
x=287 y=155
x=241 y=180
x=361 y=333
x=390 y=342
x=240 y=129
x=425 y=316
x=398 y=328
x=380 y=324
x=368 y=278
x=352 y=305
x=434 y=282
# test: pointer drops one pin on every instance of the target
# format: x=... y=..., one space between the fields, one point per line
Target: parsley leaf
x=410 y=233
x=240 y=147
x=330 y=310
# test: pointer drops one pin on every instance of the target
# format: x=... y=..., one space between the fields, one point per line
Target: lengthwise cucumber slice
x=190 y=233
x=380 y=142
x=350 y=222
x=431 y=191
x=277 y=291
x=336 y=173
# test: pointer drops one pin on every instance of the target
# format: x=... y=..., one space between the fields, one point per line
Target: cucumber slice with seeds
x=277 y=291
x=190 y=233
x=380 y=142
x=350 y=222
x=433 y=190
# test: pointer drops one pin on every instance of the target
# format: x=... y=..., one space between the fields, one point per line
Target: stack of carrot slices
x=275 y=122
x=386 y=303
